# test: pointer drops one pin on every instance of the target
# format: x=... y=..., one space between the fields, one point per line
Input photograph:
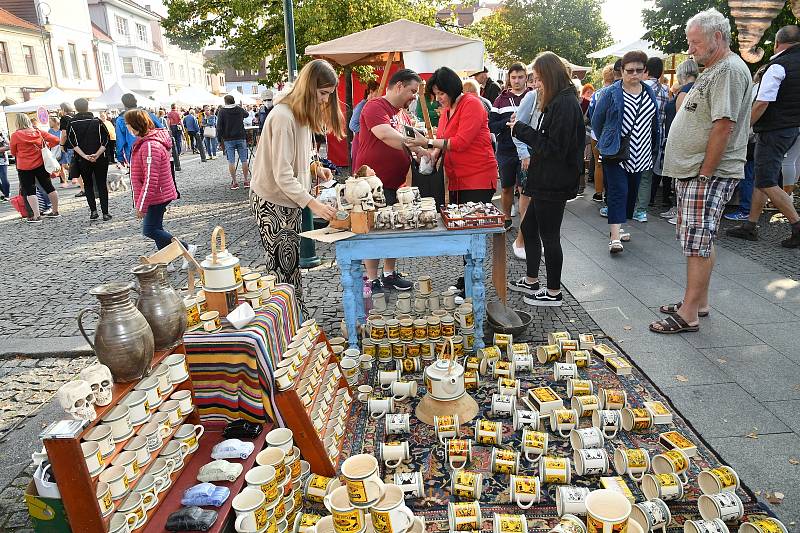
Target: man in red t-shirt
x=175 y=119
x=380 y=146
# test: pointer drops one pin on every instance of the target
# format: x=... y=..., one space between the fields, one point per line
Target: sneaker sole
x=752 y=238
x=543 y=303
x=515 y=288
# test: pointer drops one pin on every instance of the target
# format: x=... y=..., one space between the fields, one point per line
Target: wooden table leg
x=499 y=266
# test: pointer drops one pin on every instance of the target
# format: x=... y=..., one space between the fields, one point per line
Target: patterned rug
x=428 y=456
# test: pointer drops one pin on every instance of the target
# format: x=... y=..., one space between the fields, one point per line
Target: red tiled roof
x=100 y=34
x=9 y=19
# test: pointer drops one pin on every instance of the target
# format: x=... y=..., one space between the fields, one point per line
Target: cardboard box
x=619 y=365
x=604 y=350
x=545 y=400
x=47 y=514
x=586 y=341
x=617 y=484
x=661 y=415
x=674 y=439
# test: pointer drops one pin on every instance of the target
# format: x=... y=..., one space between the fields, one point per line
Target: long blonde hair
x=302 y=99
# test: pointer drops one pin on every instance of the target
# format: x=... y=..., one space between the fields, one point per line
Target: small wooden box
x=362 y=221
x=604 y=350
x=222 y=301
x=674 y=439
x=619 y=365
x=586 y=341
x=617 y=484
x=340 y=223
x=545 y=400
x=661 y=415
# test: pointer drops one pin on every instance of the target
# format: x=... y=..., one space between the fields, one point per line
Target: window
x=239 y=88
x=172 y=70
x=63 y=60
x=73 y=57
x=255 y=89
x=159 y=70
x=148 y=68
x=141 y=32
x=254 y=73
x=183 y=72
x=86 y=66
x=30 y=61
x=122 y=25
x=105 y=61
x=127 y=65
x=4 y=57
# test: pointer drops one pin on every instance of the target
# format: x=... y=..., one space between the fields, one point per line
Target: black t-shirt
x=63 y=125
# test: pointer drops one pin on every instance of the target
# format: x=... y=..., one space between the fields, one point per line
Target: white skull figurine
x=99 y=378
x=360 y=195
x=376 y=185
x=77 y=399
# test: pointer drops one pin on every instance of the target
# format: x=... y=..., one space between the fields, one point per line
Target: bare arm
x=759 y=108
x=717 y=142
x=679 y=100
x=395 y=139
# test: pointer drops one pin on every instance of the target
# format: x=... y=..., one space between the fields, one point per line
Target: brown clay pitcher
x=123 y=340
x=160 y=304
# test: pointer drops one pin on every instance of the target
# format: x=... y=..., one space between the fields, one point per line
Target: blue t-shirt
x=671 y=110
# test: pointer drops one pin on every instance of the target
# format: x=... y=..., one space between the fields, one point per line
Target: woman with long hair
x=282 y=169
x=26 y=147
x=556 y=142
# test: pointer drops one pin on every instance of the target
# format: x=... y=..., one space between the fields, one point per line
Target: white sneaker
x=673 y=221
x=519 y=253
x=192 y=249
x=514 y=210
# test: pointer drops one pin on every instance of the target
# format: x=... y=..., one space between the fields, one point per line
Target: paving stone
x=760 y=370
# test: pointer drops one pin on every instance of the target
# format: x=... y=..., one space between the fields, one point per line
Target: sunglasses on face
x=634 y=70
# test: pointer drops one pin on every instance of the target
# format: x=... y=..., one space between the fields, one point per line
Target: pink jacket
x=151 y=176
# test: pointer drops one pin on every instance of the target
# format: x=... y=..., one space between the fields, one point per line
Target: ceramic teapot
x=221 y=269
x=445 y=379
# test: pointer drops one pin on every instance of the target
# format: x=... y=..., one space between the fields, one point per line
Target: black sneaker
x=376 y=286
x=597 y=197
x=396 y=281
x=521 y=285
x=748 y=231
x=793 y=241
x=33 y=220
x=51 y=214
x=544 y=299
x=508 y=224
x=94 y=215
x=81 y=194
x=106 y=217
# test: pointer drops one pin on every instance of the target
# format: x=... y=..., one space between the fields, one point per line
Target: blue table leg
x=358 y=294
x=474 y=284
x=349 y=304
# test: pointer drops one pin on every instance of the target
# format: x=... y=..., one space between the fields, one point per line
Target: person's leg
x=87 y=171
x=153 y=225
x=617 y=195
x=46 y=185
x=529 y=228
x=200 y=146
x=111 y=152
x=508 y=168
x=524 y=202
x=598 y=172
x=746 y=188
x=634 y=179
x=550 y=216
x=643 y=196
x=75 y=174
x=243 y=157
x=791 y=165
x=230 y=154
x=100 y=172
x=5 y=187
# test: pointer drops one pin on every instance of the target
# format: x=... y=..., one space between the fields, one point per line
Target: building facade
x=184 y=68
x=24 y=68
x=246 y=81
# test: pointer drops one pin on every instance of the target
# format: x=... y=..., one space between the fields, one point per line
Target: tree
x=253 y=30
x=520 y=29
x=666 y=24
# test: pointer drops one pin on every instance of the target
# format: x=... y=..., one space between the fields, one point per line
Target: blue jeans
x=211 y=145
x=232 y=147
x=746 y=187
x=622 y=190
x=153 y=225
x=5 y=188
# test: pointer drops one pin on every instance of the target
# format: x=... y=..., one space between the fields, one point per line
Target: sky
x=624 y=18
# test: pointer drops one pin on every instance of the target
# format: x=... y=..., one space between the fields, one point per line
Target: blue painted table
x=470 y=243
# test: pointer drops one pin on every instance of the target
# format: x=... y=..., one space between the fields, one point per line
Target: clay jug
x=160 y=305
x=123 y=340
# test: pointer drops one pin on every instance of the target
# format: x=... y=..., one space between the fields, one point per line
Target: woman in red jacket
x=151 y=177
x=26 y=146
x=463 y=136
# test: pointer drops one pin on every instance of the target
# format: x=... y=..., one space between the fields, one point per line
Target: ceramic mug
x=364 y=392
x=591 y=461
x=412 y=483
x=571 y=500
x=464 y=516
x=127 y=460
x=509 y=523
x=579 y=387
x=762 y=524
x=117 y=481
x=636 y=419
x=652 y=515
x=613 y=399
x=504 y=369
x=104 y=498
x=378 y=407
x=555 y=470
x=562 y=421
x=472 y=379
x=387 y=377
x=502 y=405
x=394 y=453
x=134 y=505
x=585 y=405
x=586 y=438
x=459 y=451
x=608 y=421
x=347 y=518
x=524 y=418
x=705 y=526
x=446 y=427
x=211 y=321
x=402 y=390
x=635 y=462
x=504 y=461
x=726 y=506
x=263 y=478
x=103 y=436
x=607 y=511
x=119 y=420
x=190 y=434
x=581 y=358
x=547 y=353
x=720 y=479
x=571 y=524
x=424 y=285
x=252 y=505
x=93 y=457
x=362 y=477
x=508 y=387
x=397 y=423
x=523 y=362
x=673 y=461
x=466 y=485
x=316 y=487
x=138 y=407
x=524 y=490
x=563 y=371
x=390 y=514
x=667 y=487
x=150 y=487
x=488 y=432
x=534 y=444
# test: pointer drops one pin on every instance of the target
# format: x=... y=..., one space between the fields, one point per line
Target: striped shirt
x=640 y=132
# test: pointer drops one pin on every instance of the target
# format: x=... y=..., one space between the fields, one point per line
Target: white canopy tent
x=620 y=49
x=112 y=98
x=192 y=96
x=50 y=100
x=242 y=98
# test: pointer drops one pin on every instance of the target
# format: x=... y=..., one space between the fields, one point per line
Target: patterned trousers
x=279 y=227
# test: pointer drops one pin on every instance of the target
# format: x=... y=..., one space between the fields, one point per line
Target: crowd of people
x=544 y=137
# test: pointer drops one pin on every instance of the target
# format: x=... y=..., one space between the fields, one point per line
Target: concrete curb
x=64 y=347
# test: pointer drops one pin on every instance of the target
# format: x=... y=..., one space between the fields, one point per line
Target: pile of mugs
x=410 y=212
x=139 y=445
x=273 y=496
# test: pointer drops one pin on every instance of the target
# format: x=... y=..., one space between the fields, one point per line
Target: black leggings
x=542 y=225
x=475 y=195
x=95 y=174
x=28 y=179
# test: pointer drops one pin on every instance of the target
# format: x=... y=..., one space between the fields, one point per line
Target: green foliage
x=520 y=29
x=666 y=24
x=252 y=30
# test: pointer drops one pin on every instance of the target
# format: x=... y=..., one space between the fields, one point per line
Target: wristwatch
x=430 y=143
x=702 y=178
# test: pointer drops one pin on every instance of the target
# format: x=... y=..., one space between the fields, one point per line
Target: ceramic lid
x=224 y=259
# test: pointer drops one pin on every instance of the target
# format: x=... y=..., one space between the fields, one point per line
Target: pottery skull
x=376 y=185
x=99 y=378
x=77 y=399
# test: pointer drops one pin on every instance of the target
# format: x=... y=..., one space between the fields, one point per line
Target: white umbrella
x=620 y=49
x=112 y=98
x=190 y=96
x=242 y=98
x=50 y=100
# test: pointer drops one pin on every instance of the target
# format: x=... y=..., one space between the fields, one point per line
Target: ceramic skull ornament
x=360 y=195
x=99 y=378
x=376 y=185
x=77 y=399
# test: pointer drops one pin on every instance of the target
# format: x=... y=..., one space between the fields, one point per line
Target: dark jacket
x=491 y=91
x=557 y=144
x=503 y=107
x=230 y=122
x=607 y=119
x=784 y=112
x=87 y=132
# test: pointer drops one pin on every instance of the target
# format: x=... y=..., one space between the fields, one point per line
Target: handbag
x=210 y=131
x=51 y=164
x=624 y=151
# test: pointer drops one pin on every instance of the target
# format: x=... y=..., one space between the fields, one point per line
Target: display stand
x=298 y=417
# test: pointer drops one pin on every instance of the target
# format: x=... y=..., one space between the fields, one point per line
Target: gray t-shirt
x=721 y=91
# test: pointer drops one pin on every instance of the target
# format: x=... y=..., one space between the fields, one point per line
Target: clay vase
x=123 y=340
x=161 y=306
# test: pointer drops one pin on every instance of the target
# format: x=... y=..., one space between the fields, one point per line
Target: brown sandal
x=673 y=324
x=672 y=309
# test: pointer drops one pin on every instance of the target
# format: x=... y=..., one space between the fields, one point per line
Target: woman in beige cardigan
x=281 y=182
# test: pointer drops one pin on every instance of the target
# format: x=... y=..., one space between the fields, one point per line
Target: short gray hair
x=712 y=21
x=687 y=69
x=23 y=121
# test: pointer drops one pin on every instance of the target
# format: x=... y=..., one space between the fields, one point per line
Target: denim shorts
x=232 y=147
x=771 y=148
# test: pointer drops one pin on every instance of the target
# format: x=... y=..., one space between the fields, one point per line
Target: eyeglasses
x=634 y=70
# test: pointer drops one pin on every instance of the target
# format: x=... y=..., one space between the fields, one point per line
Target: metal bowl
x=514 y=330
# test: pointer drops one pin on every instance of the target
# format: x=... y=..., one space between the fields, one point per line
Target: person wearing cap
x=264 y=109
x=489 y=88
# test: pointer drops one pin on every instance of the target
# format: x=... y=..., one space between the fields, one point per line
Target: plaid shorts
x=700 y=208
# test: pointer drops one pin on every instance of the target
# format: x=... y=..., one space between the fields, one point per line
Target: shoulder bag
x=51 y=164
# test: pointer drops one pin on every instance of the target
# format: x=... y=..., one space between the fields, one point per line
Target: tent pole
x=348 y=101
x=385 y=77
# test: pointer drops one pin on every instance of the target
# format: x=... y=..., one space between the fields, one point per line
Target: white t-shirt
x=771 y=83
